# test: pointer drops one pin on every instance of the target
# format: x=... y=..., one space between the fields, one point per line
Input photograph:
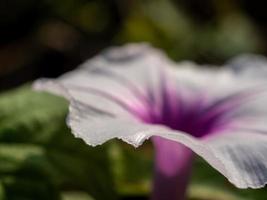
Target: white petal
x=240 y=157
x=119 y=67
x=122 y=73
x=249 y=66
x=218 y=81
x=251 y=115
x=244 y=156
x=96 y=127
x=215 y=81
x=87 y=99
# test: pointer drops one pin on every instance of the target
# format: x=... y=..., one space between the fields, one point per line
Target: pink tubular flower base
x=173 y=164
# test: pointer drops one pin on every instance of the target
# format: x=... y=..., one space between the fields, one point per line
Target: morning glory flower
x=135 y=92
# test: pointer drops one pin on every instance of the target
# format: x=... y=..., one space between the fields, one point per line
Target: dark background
x=49 y=37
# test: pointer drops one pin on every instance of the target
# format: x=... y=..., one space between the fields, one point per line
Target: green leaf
x=40 y=158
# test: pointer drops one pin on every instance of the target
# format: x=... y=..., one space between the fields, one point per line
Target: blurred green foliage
x=166 y=24
x=50 y=37
x=41 y=159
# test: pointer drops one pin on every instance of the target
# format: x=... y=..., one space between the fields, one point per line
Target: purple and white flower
x=135 y=92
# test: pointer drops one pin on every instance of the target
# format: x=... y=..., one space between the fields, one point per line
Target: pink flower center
x=193 y=113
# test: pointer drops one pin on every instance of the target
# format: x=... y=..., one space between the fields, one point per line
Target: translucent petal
x=239 y=156
x=243 y=156
x=249 y=66
x=219 y=81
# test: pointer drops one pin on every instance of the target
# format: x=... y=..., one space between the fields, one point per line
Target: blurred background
x=49 y=37
x=39 y=158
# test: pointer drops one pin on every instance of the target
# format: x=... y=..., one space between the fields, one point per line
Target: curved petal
x=228 y=98
x=244 y=157
x=239 y=156
x=78 y=97
x=249 y=66
x=217 y=81
x=122 y=80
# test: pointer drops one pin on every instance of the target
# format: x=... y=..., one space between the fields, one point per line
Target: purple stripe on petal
x=124 y=82
x=219 y=114
x=169 y=105
x=229 y=102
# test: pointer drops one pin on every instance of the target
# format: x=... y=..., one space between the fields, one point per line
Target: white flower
x=135 y=92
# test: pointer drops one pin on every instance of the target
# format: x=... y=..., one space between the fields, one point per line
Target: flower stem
x=172 y=170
